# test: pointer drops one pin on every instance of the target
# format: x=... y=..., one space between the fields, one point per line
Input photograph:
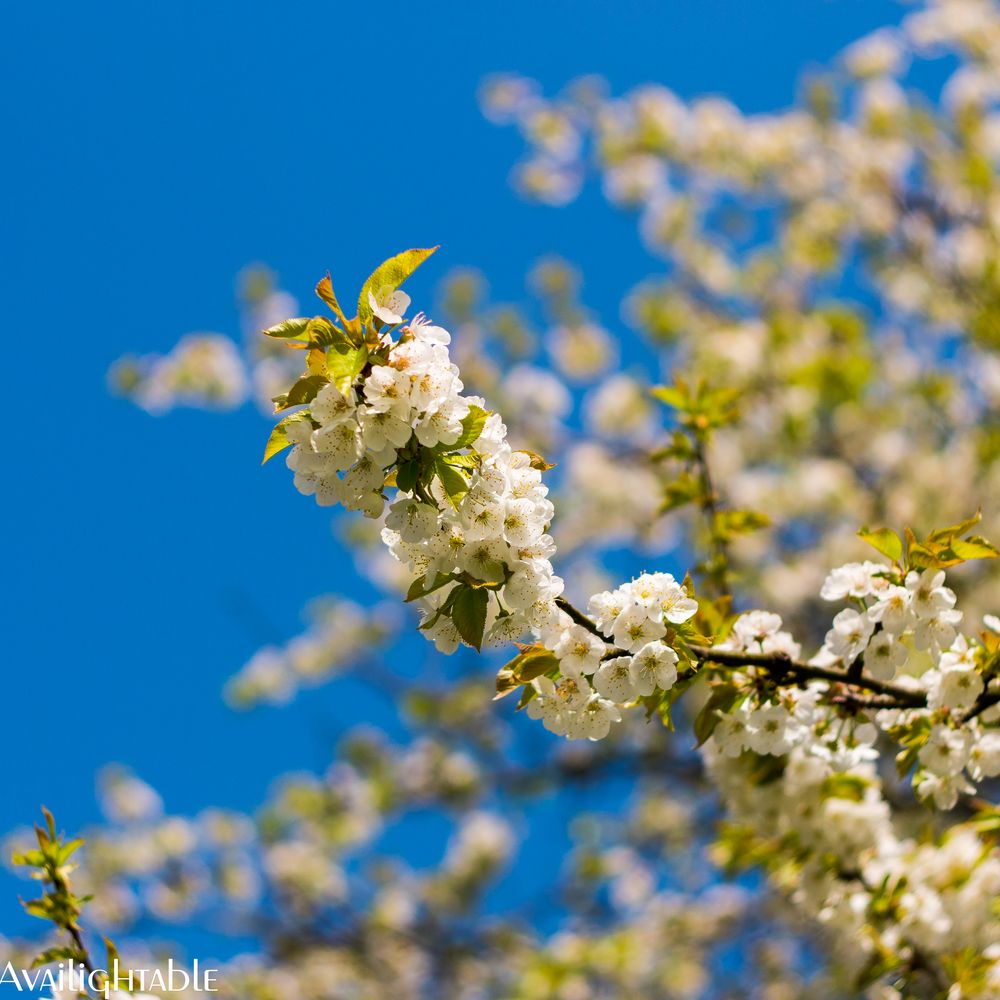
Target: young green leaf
x=289 y=329
x=390 y=275
x=469 y=614
x=674 y=396
x=722 y=699
x=344 y=363
x=531 y=662
x=321 y=333
x=278 y=441
x=472 y=427
x=324 y=289
x=454 y=483
x=883 y=540
x=304 y=391
x=421 y=587
x=973 y=547
x=407 y=475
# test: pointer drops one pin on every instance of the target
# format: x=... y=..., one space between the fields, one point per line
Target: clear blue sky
x=151 y=150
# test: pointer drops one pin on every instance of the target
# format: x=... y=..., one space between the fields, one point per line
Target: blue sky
x=151 y=152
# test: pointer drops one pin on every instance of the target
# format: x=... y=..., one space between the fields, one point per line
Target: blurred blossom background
x=178 y=177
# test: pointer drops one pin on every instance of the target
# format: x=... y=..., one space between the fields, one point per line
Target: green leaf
x=528 y=694
x=454 y=483
x=67 y=850
x=722 y=699
x=390 y=274
x=673 y=396
x=289 y=329
x=344 y=362
x=683 y=490
x=304 y=391
x=906 y=759
x=531 y=662
x=421 y=588
x=472 y=427
x=680 y=447
x=41 y=908
x=322 y=333
x=883 y=540
x=952 y=531
x=462 y=461
x=920 y=557
x=324 y=289
x=469 y=614
x=51 y=955
x=278 y=441
x=33 y=859
x=845 y=786
x=407 y=475
x=974 y=547
x=730 y=523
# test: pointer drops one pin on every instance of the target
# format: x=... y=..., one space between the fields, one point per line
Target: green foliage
x=531 y=662
x=289 y=329
x=845 y=786
x=421 y=587
x=724 y=696
x=58 y=903
x=942 y=548
x=699 y=406
x=469 y=613
x=344 y=362
x=305 y=390
x=278 y=441
x=730 y=523
x=680 y=492
x=945 y=547
x=472 y=427
x=453 y=482
x=324 y=289
x=883 y=540
x=389 y=275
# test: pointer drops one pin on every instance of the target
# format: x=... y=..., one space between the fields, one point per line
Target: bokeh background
x=151 y=153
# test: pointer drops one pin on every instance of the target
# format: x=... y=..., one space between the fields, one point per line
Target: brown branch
x=986 y=700
x=779 y=666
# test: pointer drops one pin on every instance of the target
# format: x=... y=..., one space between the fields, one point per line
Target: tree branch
x=718 y=566
x=779 y=666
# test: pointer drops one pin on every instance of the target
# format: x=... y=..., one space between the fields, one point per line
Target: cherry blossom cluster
x=597 y=679
x=617 y=657
x=877 y=891
x=496 y=533
x=904 y=629
x=360 y=432
x=473 y=529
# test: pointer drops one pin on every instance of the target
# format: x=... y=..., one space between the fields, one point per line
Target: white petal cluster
x=598 y=680
x=854 y=861
x=359 y=434
x=895 y=630
x=920 y=609
x=495 y=533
